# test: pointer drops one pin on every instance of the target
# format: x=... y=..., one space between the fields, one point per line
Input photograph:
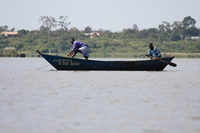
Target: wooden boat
x=68 y=63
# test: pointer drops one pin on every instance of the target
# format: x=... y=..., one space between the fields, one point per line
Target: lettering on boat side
x=65 y=62
x=62 y=60
x=68 y=60
x=74 y=63
x=57 y=60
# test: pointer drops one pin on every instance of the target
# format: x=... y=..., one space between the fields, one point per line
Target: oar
x=169 y=63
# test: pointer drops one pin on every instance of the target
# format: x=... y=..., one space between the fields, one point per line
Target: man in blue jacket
x=153 y=52
x=79 y=47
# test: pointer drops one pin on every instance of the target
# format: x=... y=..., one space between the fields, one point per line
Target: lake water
x=34 y=98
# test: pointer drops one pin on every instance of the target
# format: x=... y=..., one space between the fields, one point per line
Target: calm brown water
x=34 y=98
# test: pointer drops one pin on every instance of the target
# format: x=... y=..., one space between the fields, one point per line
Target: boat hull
x=66 y=63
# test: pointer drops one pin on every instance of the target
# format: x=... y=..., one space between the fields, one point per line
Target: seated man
x=153 y=51
x=79 y=47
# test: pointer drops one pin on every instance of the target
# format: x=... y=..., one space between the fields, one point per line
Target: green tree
x=88 y=29
x=63 y=22
x=135 y=28
x=14 y=53
x=74 y=31
x=22 y=32
x=48 y=22
x=128 y=33
x=164 y=31
x=142 y=34
x=177 y=28
x=192 y=31
x=3 y=28
x=152 y=33
x=13 y=29
x=188 y=22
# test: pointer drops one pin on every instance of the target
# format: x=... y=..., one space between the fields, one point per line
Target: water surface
x=35 y=98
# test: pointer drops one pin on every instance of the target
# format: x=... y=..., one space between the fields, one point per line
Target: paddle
x=169 y=63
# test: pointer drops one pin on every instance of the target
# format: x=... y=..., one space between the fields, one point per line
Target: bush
x=45 y=50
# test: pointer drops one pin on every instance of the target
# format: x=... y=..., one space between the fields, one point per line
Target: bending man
x=79 y=47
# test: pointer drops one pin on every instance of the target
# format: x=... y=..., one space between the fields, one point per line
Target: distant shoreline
x=123 y=55
x=184 y=55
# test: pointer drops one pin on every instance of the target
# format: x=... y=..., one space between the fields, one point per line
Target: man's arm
x=73 y=53
x=148 y=53
x=159 y=54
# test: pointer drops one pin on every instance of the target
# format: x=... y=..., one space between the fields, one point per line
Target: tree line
x=53 y=37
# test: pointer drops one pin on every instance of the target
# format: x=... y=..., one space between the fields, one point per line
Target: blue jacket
x=155 y=52
x=77 y=45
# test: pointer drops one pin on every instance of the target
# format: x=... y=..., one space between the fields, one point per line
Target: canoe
x=68 y=63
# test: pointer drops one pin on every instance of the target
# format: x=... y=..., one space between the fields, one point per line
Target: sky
x=114 y=15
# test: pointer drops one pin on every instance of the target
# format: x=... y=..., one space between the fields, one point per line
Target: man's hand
x=147 y=55
x=70 y=54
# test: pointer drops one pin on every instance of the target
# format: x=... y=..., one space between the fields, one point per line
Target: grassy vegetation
x=113 y=45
